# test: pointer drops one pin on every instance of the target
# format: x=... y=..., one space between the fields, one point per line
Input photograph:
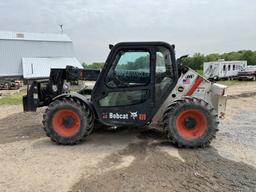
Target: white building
x=31 y=55
x=223 y=69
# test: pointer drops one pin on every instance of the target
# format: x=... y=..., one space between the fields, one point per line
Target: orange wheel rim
x=66 y=122
x=191 y=124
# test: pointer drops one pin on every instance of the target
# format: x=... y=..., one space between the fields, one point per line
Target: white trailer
x=223 y=69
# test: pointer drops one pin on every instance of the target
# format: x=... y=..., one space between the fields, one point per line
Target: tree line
x=196 y=61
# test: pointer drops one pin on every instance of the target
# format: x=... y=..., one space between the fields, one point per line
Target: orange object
x=66 y=123
x=194 y=130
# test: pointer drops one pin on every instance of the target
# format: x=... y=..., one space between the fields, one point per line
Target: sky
x=205 y=26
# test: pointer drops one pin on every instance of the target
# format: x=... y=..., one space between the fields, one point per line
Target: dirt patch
x=154 y=170
x=7 y=110
x=248 y=94
x=236 y=138
x=16 y=125
x=41 y=165
x=242 y=87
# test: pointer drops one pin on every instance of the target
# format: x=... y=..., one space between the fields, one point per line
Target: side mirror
x=182 y=57
x=110 y=46
x=181 y=67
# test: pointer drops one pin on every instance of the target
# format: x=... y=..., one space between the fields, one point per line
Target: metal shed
x=50 y=50
x=35 y=68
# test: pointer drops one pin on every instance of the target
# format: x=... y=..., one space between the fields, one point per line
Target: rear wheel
x=190 y=123
x=68 y=121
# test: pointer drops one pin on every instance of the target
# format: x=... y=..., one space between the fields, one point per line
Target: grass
x=200 y=71
x=15 y=99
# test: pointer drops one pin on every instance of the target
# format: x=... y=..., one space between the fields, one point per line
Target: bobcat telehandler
x=141 y=84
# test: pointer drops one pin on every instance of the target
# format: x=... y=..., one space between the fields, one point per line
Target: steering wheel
x=117 y=81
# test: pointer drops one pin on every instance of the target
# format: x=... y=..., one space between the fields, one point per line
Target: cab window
x=164 y=76
x=131 y=68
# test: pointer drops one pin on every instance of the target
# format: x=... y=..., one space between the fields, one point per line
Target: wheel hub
x=190 y=123
x=68 y=122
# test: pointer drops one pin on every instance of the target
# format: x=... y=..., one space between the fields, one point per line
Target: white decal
x=118 y=116
x=134 y=115
x=123 y=116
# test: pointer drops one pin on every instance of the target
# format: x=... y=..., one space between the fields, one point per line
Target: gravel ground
x=135 y=159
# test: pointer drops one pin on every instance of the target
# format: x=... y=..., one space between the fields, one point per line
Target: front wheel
x=190 y=123
x=68 y=121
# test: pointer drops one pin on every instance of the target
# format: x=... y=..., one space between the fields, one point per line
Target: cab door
x=125 y=92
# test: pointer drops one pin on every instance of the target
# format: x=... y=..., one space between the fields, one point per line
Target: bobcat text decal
x=118 y=116
x=125 y=116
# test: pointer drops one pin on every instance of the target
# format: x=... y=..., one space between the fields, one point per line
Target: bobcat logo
x=134 y=115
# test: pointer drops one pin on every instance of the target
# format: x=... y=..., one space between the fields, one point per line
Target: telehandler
x=141 y=84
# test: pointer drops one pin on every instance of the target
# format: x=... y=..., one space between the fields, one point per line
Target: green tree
x=212 y=57
x=93 y=65
x=195 y=62
x=249 y=56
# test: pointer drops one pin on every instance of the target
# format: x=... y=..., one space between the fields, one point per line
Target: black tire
x=76 y=129
x=197 y=133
